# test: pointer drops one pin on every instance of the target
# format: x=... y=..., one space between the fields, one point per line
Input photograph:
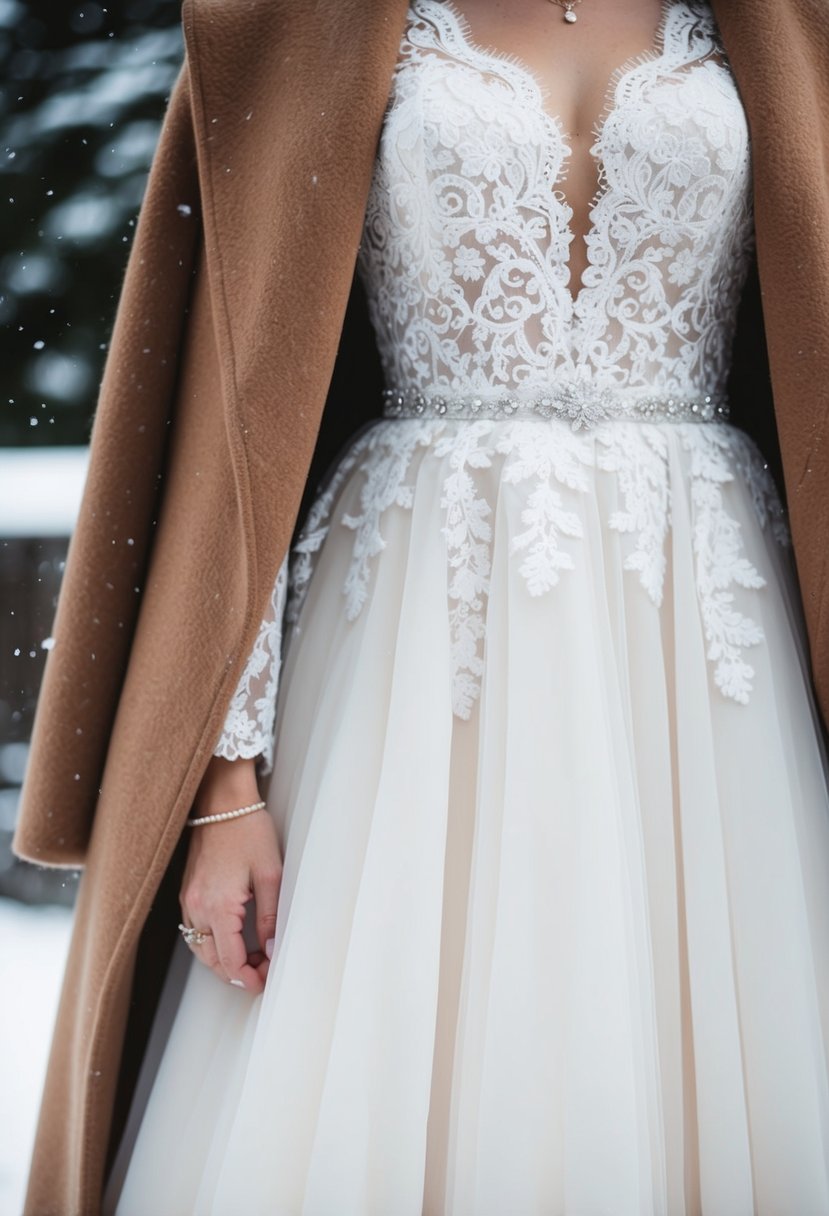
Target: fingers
x=232 y=951
x=221 y=950
x=266 y=884
x=225 y=951
x=205 y=952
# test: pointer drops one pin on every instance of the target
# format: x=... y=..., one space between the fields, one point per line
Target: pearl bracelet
x=243 y=810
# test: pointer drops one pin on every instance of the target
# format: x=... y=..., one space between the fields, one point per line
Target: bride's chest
x=476 y=125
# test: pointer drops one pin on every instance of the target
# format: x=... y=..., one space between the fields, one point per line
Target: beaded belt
x=582 y=405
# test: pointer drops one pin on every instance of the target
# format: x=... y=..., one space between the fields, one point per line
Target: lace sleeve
x=251 y=717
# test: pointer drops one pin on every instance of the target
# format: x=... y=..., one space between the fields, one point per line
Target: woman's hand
x=228 y=863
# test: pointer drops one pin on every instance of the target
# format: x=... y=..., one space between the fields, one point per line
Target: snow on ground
x=33 y=946
x=40 y=490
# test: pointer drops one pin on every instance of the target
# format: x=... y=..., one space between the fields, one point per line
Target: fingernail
x=269 y=946
x=238 y=983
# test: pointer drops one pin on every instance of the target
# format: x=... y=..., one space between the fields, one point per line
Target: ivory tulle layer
x=553 y=931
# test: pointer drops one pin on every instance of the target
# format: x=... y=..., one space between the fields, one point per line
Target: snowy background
x=33 y=944
x=40 y=490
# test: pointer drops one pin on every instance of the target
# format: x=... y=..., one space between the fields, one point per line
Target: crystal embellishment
x=580 y=404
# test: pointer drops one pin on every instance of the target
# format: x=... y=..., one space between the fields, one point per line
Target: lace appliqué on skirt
x=549 y=463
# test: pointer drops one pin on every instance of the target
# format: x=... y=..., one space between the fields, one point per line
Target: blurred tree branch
x=83 y=93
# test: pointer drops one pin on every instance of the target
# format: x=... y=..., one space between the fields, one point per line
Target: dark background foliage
x=81 y=100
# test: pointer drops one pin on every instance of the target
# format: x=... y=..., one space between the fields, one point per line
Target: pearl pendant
x=570 y=16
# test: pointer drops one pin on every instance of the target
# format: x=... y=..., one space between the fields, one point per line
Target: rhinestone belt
x=582 y=405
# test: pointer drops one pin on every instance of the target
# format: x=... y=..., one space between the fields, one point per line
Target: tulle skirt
x=553 y=930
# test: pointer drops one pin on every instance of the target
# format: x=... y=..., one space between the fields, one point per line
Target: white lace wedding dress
x=553 y=931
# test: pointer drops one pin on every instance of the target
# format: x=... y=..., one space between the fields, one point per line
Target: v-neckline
x=506 y=61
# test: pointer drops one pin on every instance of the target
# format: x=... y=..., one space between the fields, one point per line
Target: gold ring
x=194 y=937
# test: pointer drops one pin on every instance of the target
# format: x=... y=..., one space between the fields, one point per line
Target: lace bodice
x=465 y=262
x=468 y=231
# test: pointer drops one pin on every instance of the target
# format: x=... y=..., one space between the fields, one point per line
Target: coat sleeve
x=103 y=582
x=249 y=725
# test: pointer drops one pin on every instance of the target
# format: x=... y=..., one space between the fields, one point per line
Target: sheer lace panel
x=580 y=224
x=249 y=725
x=465 y=254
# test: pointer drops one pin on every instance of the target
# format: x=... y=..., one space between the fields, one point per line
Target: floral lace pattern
x=465 y=262
x=720 y=563
x=465 y=249
x=248 y=729
x=546 y=461
x=384 y=486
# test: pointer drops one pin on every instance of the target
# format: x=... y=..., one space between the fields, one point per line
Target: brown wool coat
x=237 y=296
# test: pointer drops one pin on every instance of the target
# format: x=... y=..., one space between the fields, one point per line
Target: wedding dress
x=543 y=755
